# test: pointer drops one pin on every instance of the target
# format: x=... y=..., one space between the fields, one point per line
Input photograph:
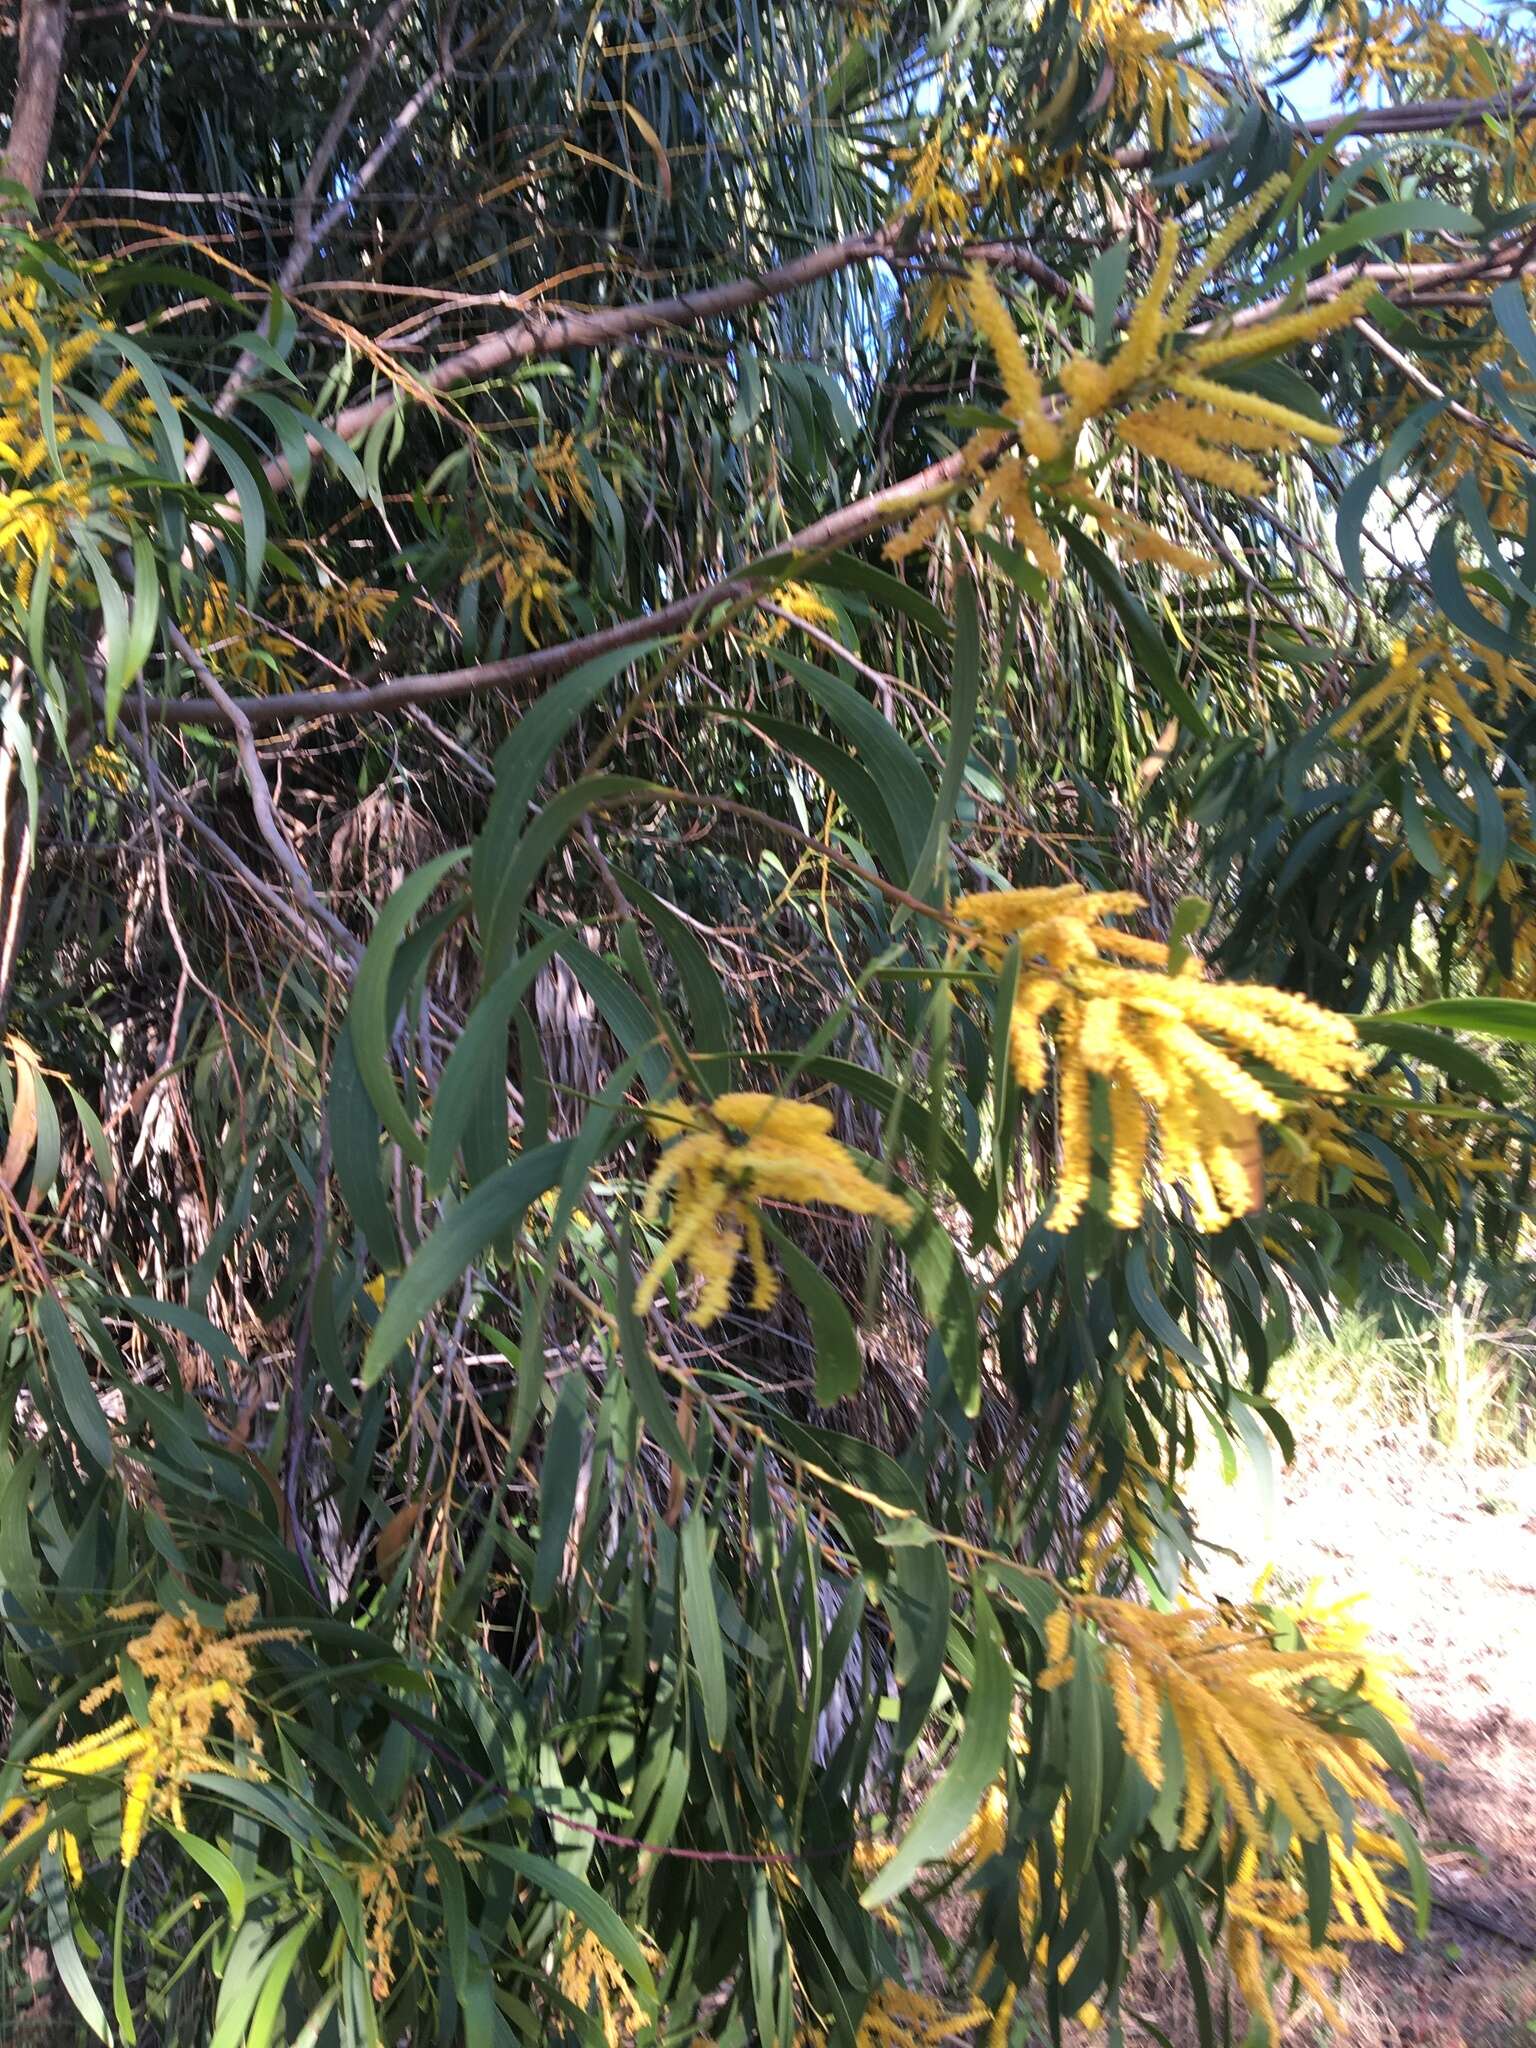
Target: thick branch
x=547 y=334
x=39 y=65
x=837 y=529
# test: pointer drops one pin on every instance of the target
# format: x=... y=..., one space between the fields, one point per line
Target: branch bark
x=1417 y=117
x=39 y=67
x=546 y=334
x=837 y=529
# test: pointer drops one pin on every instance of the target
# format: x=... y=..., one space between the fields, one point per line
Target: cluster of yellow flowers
x=1168 y=1046
x=590 y=1977
x=1438 y=1150
x=1149 y=73
x=196 y=1673
x=531 y=580
x=1268 y=1928
x=384 y=1884
x=803 y=602
x=350 y=607
x=898 y=2018
x=1244 y=1712
x=984 y=1838
x=227 y=634
x=1429 y=688
x=726 y=1157
x=1158 y=399
x=1403 y=45
x=37 y=509
x=558 y=466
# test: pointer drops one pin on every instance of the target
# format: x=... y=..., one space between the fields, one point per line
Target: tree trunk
x=40 y=61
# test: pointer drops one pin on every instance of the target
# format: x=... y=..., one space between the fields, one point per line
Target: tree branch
x=39 y=66
x=1417 y=117
x=307 y=231
x=836 y=529
x=545 y=334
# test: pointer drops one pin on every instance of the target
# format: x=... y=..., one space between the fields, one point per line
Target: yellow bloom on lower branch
x=898 y=2018
x=1247 y=1715
x=1170 y=1047
x=1268 y=1934
x=197 y=1674
x=727 y=1157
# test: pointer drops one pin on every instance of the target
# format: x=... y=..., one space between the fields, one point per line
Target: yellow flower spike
x=1153 y=433
x=916 y=535
x=1250 y=405
x=1128 y=1157
x=1282 y=331
x=1075 y=1138
x=1169 y=1047
x=728 y=1156
x=1039 y=434
x=1134 y=358
x=1089 y=387
x=1216 y=252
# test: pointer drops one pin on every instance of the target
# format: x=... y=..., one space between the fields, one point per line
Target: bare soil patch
x=1446 y=1554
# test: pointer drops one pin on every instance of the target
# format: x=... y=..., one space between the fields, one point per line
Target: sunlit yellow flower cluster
x=984 y=1838
x=1245 y=1713
x=726 y=1157
x=1268 y=1932
x=1149 y=75
x=1440 y=1146
x=801 y=601
x=41 y=502
x=898 y=2018
x=1429 y=689
x=1157 y=395
x=591 y=1979
x=1168 y=1046
x=196 y=1674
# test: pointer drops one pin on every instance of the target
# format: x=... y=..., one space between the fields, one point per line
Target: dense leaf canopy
x=764 y=771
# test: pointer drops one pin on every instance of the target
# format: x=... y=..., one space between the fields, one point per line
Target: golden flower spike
x=729 y=1155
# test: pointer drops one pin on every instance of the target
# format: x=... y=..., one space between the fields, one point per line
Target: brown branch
x=837 y=529
x=39 y=66
x=308 y=233
x=1416 y=118
x=538 y=334
x=267 y=823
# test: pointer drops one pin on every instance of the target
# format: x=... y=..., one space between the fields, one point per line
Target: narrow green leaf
x=839 y=1362
x=214 y=1864
x=706 y=1648
x=950 y=1807
x=593 y=1911
x=649 y=1396
x=965 y=685
x=559 y=1481
x=1503 y=1017
x=474 y=1075
x=71 y=1383
x=455 y=1246
x=522 y=758
x=1147 y=644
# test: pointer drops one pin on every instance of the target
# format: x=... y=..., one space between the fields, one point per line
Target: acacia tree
x=759 y=768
